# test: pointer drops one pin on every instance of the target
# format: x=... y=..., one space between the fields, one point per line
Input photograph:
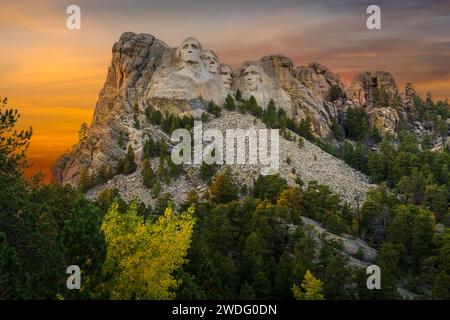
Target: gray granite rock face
x=146 y=72
x=309 y=162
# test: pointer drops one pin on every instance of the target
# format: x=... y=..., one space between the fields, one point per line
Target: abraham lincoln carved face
x=227 y=75
x=252 y=75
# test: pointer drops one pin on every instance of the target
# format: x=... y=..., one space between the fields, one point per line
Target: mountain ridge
x=147 y=73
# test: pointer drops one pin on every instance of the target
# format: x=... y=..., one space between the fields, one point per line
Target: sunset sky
x=53 y=75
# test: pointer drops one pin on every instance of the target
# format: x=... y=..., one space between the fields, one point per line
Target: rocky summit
x=147 y=73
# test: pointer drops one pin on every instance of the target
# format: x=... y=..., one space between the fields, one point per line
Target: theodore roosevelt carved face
x=211 y=61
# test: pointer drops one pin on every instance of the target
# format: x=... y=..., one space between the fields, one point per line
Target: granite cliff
x=146 y=72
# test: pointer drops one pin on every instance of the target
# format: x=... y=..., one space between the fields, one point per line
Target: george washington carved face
x=190 y=51
x=211 y=61
x=252 y=76
x=227 y=75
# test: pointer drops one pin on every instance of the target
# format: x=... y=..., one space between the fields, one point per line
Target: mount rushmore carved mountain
x=147 y=73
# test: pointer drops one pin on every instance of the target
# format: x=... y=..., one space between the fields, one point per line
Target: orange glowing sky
x=53 y=75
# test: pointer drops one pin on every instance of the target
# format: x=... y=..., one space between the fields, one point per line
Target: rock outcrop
x=378 y=94
x=309 y=162
x=273 y=77
x=363 y=88
x=319 y=79
x=134 y=58
x=146 y=72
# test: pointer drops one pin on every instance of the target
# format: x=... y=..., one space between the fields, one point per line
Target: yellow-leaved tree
x=311 y=288
x=142 y=255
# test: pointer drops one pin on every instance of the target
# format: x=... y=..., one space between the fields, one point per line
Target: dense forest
x=233 y=242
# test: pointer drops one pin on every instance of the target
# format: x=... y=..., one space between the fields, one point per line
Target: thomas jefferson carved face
x=211 y=61
x=227 y=75
x=252 y=77
x=190 y=50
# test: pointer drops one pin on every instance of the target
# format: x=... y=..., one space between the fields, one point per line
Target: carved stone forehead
x=225 y=68
x=252 y=67
x=210 y=54
x=190 y=40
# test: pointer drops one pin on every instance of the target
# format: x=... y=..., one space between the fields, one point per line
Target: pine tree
x=356 y=123
x=337 y=130
x=82 y=132
x=148 y=175
x=207 y=171
x=13 y=143
x=229 y=103
x=336 y=279
x=10 y=269
x=121 y=140
x=103 y=174
x=84 y=180
x=441 y=287
x=156 y=190
x=335 y=93
x=304 y=129
x=443 y=132
x=270 y=114
x=436 y=198
x=223 y=189
x=129 y=165
x=238 y=95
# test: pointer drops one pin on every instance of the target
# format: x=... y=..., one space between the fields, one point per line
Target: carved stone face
x=252 y=77
x=227 y=75
x=211 y=61
x=190 y=50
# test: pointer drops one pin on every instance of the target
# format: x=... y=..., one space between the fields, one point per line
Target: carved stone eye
x=194 y=46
